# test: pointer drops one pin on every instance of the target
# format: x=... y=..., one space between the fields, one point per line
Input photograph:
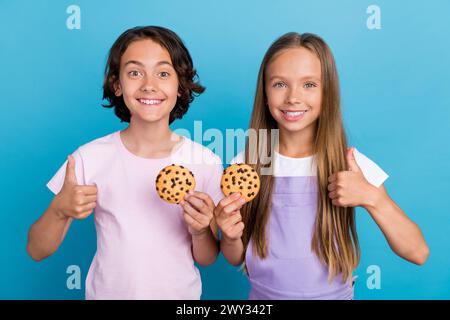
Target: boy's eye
x=164 y=74
x=309 y=85
x=134 y=73
x=279 y=85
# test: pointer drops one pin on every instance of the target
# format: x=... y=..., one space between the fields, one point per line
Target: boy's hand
x=228 y=216
x=198 y=210
x=74 y=201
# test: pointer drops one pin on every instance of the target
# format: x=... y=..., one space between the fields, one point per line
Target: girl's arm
x=229 y=219
x=72 y=202
x=350 y=188
x=403 y=235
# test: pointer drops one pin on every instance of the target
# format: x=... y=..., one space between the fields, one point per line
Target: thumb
x=70 y=178
x=351 y=162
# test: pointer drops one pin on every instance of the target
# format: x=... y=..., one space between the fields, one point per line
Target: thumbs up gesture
x=74 y=201
x=349 y=188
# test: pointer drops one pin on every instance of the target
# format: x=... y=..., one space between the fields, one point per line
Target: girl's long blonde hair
x=334 y=239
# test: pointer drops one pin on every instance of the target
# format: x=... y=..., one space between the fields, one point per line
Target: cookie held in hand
x=173 y=182
x=240 y=178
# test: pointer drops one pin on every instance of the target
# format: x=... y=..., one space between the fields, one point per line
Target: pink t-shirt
x=143 y=244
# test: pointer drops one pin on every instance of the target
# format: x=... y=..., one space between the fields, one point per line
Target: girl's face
x=147 y=81
x=293 y=89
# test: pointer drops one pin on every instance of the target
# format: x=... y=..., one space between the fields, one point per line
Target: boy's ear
x=117 y=89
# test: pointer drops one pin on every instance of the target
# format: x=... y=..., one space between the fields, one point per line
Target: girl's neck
x=298 y=144
x=150 y=140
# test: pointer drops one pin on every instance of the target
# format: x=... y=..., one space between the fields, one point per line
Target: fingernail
x=191 y=192
x=236 y=195
x=242 y=200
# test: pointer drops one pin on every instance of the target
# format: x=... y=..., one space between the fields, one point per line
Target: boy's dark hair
x=181 y=59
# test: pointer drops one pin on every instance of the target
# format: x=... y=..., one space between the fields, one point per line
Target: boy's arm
x=73 y=201
x=46 y=234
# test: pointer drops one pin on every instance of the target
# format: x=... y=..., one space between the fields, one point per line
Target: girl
x=146 y=248
x=298 y=237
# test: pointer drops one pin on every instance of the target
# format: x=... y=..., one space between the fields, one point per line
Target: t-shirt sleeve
x=55 y=184
x=371 y=171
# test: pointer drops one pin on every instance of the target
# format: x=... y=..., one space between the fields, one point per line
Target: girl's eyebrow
x=163 y=62
x=302 y=78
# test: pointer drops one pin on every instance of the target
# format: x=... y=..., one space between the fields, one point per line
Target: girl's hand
x=228 y=216
x=198 y=212
x=74 y=201
x=350 y=188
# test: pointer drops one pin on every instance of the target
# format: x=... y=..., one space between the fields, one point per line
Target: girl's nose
x=294 y=97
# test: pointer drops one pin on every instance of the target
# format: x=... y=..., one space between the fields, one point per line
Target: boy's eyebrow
x=163 y=62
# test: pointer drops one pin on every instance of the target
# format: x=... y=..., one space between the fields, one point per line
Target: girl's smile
x=293 y=115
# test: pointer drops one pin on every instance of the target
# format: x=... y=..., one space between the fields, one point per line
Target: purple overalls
x=291 y=270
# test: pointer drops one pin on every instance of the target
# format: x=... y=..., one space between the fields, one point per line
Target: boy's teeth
x=150 y=101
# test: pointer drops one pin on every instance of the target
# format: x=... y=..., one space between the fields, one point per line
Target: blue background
x=395 y=92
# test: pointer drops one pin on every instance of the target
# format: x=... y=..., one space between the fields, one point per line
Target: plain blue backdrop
x=396 y=105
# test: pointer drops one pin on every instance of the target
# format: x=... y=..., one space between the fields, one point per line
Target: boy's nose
x=148 y=86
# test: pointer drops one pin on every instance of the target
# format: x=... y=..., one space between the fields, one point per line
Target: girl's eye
x=279 y=85
x=164 y=74
x=134 y=73
x=309 y=85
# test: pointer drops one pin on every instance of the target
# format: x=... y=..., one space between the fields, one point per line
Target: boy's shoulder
x=198 y=150
x=100 y=146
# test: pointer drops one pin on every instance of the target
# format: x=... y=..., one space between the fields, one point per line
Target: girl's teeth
x=294 y=114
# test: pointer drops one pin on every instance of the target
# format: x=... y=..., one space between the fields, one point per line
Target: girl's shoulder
x=371 y=171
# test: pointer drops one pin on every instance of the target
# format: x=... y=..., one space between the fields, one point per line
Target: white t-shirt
x=296 y=167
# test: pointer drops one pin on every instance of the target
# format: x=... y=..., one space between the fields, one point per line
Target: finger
x=227 y=200
x=236 y=229
x=70 y=177
x=332 y=178
x=231 y=221
x=198 y=204
x=194 y=213
x=332 y=195
x=204 y=196
x=88 y=199
x=351 y=161
x=88 y=190
x=234 y=206
x=192 y=222
x=332 y=187
x=88 y=207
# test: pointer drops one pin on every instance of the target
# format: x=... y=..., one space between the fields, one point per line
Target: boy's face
x=293 y=89
x=147 y=81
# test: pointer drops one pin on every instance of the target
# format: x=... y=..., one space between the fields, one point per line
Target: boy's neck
x=150 y=140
